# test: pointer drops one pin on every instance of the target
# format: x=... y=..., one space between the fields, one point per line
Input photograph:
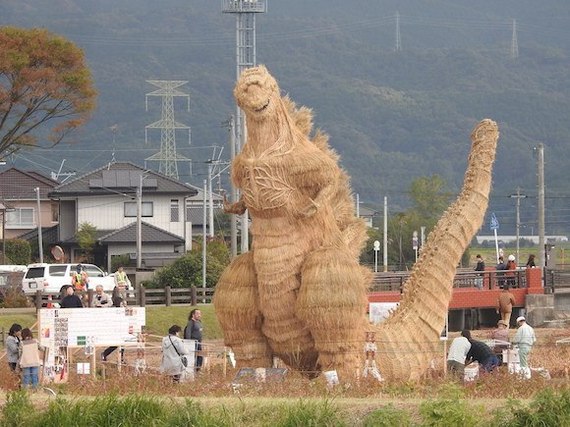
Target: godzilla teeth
x=259 y=110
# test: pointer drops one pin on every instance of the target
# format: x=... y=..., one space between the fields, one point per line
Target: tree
x=86 y=238
x=18 y=251
x=43 y=78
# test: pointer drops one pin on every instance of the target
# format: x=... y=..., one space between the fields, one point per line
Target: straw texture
x=300 y=293
x=286 y=297
x=409 y=339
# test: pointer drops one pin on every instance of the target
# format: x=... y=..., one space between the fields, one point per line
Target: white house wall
x=107 y=212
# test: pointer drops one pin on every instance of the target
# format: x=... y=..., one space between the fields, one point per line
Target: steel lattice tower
x=245 y=11
x=167 y=155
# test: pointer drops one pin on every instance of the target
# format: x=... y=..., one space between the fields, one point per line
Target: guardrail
x=489 y=279
x=142 y=296
x=556 y=279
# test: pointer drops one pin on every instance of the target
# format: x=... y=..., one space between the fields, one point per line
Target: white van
x=51 y=278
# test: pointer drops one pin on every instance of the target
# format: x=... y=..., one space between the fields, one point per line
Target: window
x=20 y=218
x=131 y=209
x=174 y=211
x=54 y=212
x=57 y=270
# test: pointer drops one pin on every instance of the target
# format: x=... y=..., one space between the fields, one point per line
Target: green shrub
x=449 y=412
x=18 y=251
x=309 y=413
x=548 y=408
x=17 y=409
x=388 y=416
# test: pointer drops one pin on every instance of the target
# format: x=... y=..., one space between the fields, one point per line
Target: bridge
x=474 y=297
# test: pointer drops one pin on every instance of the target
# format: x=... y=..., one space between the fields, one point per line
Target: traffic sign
x=494 y=225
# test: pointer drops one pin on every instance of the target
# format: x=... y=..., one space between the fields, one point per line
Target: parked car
x=53 y=278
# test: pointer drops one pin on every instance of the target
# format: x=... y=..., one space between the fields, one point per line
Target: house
x=367 y=215
x=19 y=197
x=107 y=199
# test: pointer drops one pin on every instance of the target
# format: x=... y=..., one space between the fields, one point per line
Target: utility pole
x=233 y=191
x=541 y=231
x=398 y=47
x=139 y=222
x=518 y=196
x=357 y=205
x=385 y=237
x=204 y=241
x=40 y=242
x=246 y=57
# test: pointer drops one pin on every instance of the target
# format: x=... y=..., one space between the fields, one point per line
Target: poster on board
x=61 y=328
x=379 y=311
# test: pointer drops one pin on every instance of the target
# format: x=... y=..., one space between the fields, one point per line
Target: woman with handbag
x=174 y=360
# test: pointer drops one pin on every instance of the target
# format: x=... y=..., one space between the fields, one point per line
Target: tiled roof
x=49 y=235
x=16 y=184
x=121 y=177
x=150 y=234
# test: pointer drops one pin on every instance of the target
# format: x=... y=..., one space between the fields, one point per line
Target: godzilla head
x=257 y=93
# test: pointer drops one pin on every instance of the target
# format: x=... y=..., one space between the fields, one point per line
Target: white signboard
x=80 y=327
x=379 y=311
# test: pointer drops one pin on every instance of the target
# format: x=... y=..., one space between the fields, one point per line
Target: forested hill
x=392 y=115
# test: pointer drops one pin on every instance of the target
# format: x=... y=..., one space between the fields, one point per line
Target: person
x=117 y=299
x=70 y=300
x=501 y=266
x=524 y=339
x=530 y=262
x=30 y=360
x=122 y=282
x=457 y=354
x=479 y=267
x=117 y=302
x=172 y=351
x=193 y=331
x=511 y=267
x=100 y=299
x=13 y=346
x=482 y=354
x=501 y=334
x=80 y=280
x=505 y=303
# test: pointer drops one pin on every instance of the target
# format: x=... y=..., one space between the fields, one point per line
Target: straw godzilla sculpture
x=300 y=293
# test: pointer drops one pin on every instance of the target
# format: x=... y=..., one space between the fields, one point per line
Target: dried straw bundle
x=306 y=239
x=410 y=336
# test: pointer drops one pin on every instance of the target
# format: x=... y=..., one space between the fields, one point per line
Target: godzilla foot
x=332 y=302
x=236 y=304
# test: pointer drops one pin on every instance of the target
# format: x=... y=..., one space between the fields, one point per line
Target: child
x=30 y=359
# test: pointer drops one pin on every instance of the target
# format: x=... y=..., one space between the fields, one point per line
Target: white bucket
x=471 y=373
x=331 y=377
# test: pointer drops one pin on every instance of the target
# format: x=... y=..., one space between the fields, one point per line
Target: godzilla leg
x=332 y=302
x=236 y=302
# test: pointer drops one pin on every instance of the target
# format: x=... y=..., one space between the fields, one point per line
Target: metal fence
x=491 y=279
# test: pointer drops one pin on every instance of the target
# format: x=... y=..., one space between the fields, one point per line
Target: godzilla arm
x=234 y=208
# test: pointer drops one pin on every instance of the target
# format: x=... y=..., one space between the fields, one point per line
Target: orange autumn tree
x=44 y=80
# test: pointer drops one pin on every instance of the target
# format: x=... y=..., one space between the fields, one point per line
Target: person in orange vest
x=80 y=279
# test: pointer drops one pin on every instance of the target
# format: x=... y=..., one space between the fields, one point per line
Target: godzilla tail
x=409 y=339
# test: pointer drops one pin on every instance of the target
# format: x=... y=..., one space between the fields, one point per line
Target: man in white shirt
x=524 y=339
x=458 y=350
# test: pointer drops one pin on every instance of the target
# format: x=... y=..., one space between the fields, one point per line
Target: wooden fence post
x=89 y=297
x=142 y=295
x=168 y=295
x=193 y=298
x=38 y=299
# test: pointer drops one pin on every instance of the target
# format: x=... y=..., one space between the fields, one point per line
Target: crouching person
x=174 y=359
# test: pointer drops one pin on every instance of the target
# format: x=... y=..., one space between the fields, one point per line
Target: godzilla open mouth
x=259 y=110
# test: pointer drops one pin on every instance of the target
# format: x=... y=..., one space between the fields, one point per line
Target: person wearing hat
x=505 y=303
x=524 y=339
x=500 y=336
